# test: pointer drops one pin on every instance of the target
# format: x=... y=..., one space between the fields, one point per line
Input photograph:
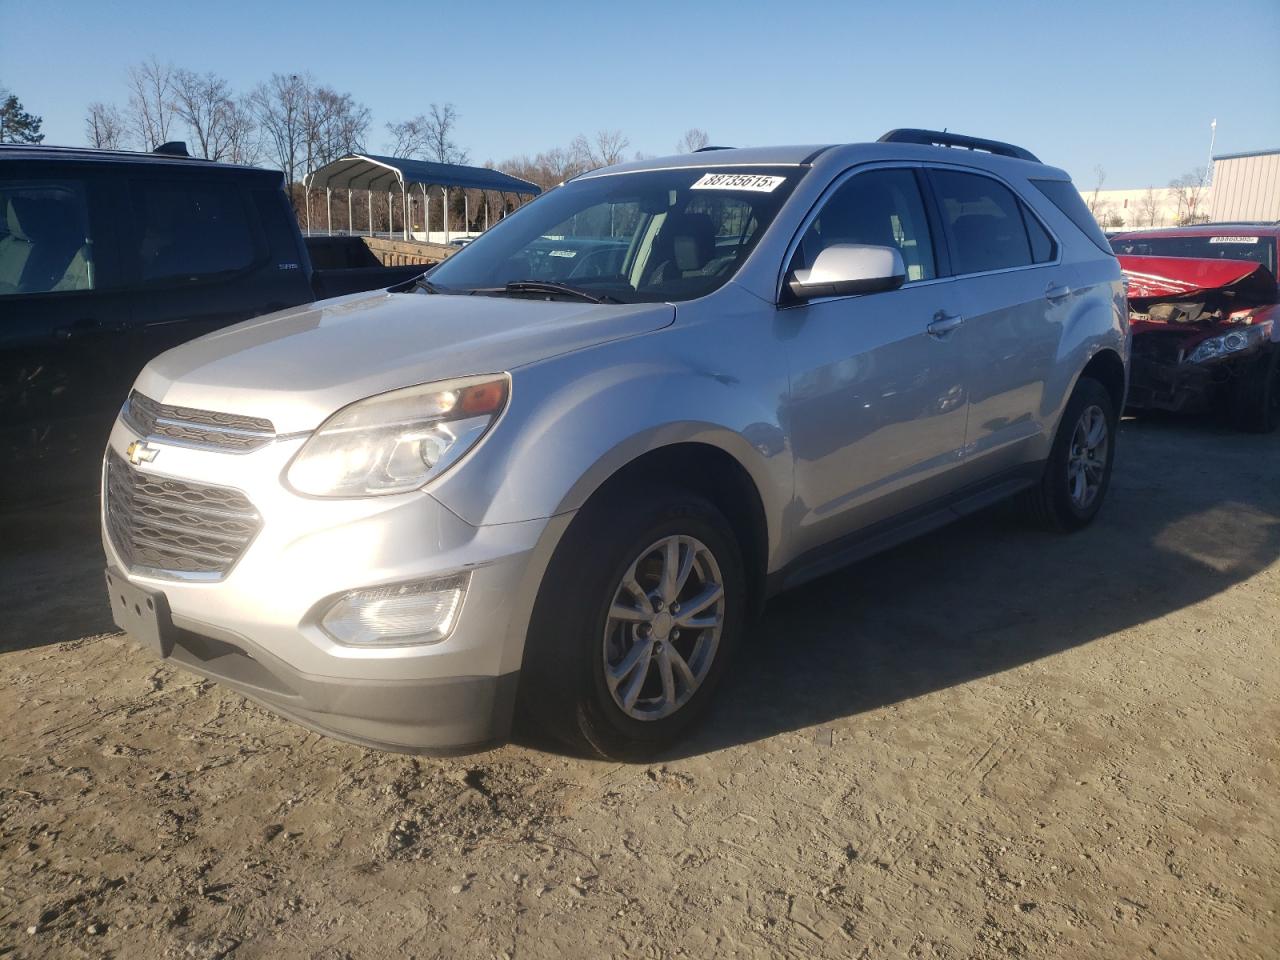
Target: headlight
x=1244 y=338
x=400 y=440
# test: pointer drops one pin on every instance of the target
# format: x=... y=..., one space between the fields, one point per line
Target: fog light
x=400 y=614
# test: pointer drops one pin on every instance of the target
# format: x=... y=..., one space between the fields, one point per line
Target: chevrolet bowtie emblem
x=139 y=452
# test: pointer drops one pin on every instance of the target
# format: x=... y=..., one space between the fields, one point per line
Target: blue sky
x=1130 y=86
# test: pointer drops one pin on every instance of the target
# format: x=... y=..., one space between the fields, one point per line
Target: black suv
x=109 y=258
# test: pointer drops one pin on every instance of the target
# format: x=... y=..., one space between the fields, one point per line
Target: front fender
x=576 y=420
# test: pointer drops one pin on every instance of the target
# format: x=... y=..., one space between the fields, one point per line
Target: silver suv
x=568 y=465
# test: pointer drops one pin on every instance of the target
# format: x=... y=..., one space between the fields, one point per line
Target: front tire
x=1077 y=474
x=638 y=616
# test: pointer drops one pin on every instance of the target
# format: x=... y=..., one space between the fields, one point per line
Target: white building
x=1246 y=186
x=1133 y=209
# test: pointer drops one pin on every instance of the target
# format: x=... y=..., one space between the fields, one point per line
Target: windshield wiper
x=422 y=283
x=550 y=286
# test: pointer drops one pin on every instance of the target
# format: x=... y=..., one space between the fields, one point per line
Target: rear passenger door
x=195 y=247
x=1004 y=260
x=65 y=363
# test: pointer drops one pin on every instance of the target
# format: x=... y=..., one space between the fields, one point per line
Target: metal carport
x=370 y=172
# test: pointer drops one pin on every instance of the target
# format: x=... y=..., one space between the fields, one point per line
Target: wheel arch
x=1107 y=368
x=704 y=468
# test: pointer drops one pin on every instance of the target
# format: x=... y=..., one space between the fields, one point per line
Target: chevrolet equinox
x=566 y=466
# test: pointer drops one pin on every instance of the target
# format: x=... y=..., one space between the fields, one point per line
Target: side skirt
x=889 y=533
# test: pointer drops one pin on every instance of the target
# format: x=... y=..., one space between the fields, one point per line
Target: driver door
x=878 y=400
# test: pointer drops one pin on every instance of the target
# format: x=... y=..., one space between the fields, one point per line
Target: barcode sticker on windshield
x=738 y=181
x=1233 y=239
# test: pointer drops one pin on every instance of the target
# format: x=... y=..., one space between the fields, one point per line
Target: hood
x=297 y=367
x=1220 y=284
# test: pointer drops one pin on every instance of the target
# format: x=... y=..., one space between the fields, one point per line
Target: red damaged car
x=1204 y=307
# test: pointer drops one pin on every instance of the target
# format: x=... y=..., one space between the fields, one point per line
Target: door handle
x=1057 y=291
x=943 y=323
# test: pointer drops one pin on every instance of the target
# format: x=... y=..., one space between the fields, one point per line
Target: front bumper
x=1175 y=387
x=257 y=630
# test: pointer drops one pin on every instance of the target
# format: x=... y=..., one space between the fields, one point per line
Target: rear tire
x=1077 y=474
x=609 y=669
x=1255 y=405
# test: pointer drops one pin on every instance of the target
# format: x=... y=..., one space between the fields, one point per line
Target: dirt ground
x=989 y=743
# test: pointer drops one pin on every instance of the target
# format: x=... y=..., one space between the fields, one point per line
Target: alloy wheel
x=1087 y=458
x=663 y=627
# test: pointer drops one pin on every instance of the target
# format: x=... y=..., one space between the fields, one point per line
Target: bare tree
x=693 y=140
x=606 y=149
x=104 y=127
x=547 y=170
x=428 y=136
x=280 y=106
x=1099 y=178
x=1189 y=194
x=204 y=103
x=439 y=130
x=151 y=110
x=407 y=138
x=333 y=124
x=1148 y=208
x=241 y=126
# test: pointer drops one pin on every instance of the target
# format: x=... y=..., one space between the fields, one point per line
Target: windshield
x=649 y=236
x=1233 y=246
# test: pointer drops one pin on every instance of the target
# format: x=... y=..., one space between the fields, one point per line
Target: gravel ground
x=989 y=743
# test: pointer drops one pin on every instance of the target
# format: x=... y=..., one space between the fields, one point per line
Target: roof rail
x=940 y=138
x=705 y=149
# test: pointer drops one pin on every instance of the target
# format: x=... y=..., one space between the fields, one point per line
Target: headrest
x=38 y=218
x=693 y=241
x=14 y=224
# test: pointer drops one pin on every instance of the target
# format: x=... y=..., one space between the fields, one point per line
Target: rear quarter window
x=1063 y=195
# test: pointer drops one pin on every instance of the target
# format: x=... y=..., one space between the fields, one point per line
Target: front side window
x=191 y=231
x=648 y=236
x=881 y=208
x=45 y=245
x=987 y=228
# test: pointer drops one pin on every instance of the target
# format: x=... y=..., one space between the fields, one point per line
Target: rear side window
x=45 y=245
x=985 y=220
x=1043 y=247
x=191 y=230
x=1064 y=196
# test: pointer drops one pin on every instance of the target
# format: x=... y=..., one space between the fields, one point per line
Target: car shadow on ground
x=1194 y=509
x=51 y=581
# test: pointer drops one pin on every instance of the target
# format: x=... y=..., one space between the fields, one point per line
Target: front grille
x=228 y=432
x=1159 y=346
x=176 y=528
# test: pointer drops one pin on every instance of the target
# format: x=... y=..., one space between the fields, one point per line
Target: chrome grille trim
x=176 y=529
x=186 y=426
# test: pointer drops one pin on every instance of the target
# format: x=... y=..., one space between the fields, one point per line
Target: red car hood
x=1242 y=282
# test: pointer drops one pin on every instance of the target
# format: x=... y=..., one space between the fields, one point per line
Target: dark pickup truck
x=109 y=258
